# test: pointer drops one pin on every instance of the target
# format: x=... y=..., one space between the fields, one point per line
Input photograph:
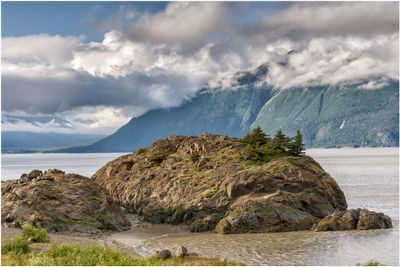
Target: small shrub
x=158 y=157
x=238 y=156
x=36 y=235
x=18 y=245
x=210 y=193
x=194 y=156
x=141 y=150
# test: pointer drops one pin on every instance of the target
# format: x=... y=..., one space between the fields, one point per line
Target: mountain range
x=28 y=142
x=351 y=114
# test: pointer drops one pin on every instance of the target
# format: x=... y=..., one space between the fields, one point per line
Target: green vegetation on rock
x=206 y=178
x=262 y=148
x=158 y=157
x=141 y=150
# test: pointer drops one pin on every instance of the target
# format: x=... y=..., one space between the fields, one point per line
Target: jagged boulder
x=360 y=219
x=207 y=182
x=59 y=202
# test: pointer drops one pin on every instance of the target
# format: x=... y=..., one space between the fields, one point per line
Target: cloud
x=99 y=119
x=335 y=18
x=50 y=94
x=332 y=60
x=160 y=60
x=39 y=49
x=182 y=23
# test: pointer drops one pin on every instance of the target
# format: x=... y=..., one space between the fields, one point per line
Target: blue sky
x=76 y=18
x=63 y=18
x=85 y=67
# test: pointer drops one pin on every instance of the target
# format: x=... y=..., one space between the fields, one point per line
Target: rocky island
x=60 y=202
x=206 y=183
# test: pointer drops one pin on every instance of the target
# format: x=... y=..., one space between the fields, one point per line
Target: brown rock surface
x=360 y=219
x=59 y=202
x=205 y=182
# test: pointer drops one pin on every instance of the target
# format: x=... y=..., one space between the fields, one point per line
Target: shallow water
x=369 y=178
x=290 y=248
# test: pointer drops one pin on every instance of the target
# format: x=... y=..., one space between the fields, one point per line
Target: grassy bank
x=34 y=247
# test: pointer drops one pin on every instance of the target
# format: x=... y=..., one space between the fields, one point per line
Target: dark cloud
x=51 y=95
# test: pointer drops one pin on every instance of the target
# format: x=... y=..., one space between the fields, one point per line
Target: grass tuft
x=371 y=263
x=16 y=246
x=158 y=157
x=77 y=255
x=35 y=235
x=141 y=150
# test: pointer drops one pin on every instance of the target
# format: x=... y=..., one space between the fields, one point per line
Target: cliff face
x=59 y=202
x=335 y=116
x=207 y=183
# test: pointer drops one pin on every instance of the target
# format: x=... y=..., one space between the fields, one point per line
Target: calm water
x=369 y=178
x=13 y=165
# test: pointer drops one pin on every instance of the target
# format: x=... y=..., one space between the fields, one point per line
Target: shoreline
x=139 y=233
x=132 y=240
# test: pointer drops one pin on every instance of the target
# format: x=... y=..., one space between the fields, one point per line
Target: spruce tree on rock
x=296 y=146
x=257 y=137
x=280 y=141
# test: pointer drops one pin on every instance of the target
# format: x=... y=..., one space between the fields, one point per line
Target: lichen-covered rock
x=179 y=251
x=60 y=202
x=33 y=174
x=373 y=220
x=360 y=219
x=200 y=180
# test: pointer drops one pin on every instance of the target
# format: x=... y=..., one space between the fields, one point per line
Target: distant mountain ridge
x=328 y=116
x=27 y=142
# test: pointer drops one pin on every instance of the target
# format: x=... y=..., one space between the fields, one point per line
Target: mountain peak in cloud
x=159 y=60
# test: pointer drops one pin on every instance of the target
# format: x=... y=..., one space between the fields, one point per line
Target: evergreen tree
x=296 y=146
x=257 y=137
x=280 y=141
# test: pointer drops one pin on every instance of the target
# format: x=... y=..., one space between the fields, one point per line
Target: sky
x=89 y=67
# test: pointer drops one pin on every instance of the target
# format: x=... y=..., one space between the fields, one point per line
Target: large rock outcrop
x=360 y=219
x=59 y=202
x=207 y=183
